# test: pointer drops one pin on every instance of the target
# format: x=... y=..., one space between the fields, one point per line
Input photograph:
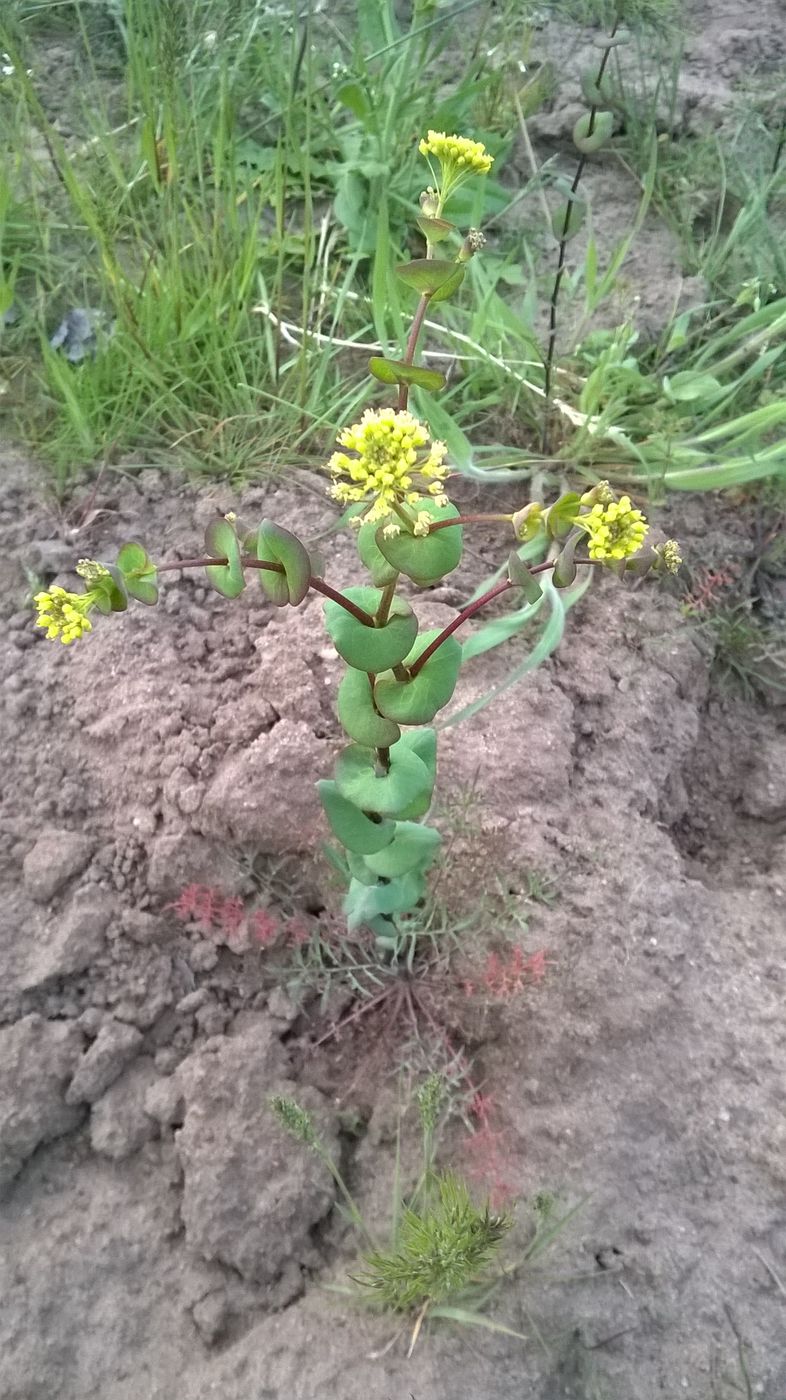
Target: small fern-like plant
x=442 y=1244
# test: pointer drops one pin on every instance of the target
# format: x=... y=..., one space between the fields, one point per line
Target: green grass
x=242 y=187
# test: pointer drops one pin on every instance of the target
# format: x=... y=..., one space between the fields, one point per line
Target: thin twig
x=563 y=245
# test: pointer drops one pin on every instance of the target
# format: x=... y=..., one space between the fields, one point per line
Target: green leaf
x=358 y=715
x=425 y=558
x=419 y=699
x=353 y=96
x=690 y=385
x=450 y=286
x=422 y=743
x=360 y=871
x=360 y=779
x=139 y=572
x=434 y=229
x=111 y=591
x=568 y=219
x=397 y=372
x=588 y=141
x=364 y=903
x=565 y=570
x=560 y=516
x=519 y=574
x=350 y=825
x=275 y=545
x=381 y=571
x=427 y=275
x=413 y=848
x=371 y=648
x=221 y=539
x=594 y=95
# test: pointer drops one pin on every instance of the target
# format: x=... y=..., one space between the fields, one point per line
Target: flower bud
x=472 y=244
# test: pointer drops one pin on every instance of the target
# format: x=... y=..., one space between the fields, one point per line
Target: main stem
x=560 y=273
x=412 y=344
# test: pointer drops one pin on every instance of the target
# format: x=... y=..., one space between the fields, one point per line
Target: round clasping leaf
x=422 y=743
x=425 y=558
x=370 y=554
x=359 y=780
x=413 y=848
x=419 y=699
x=357 y=832
x=221 y=539
x=371 y=648
x=139 y=572
x=275 y=545
x=358 y=715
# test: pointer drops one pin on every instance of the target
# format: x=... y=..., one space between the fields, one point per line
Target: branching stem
x=248 y=562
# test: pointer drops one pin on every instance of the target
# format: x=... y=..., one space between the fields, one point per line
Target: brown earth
x=159 y=1238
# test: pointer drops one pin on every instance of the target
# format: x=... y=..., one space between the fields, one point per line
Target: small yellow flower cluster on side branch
x=64 y=614
x=615 y=530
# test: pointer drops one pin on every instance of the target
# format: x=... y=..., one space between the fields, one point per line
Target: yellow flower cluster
x=396 y=464
x=615 y=530
x=457 y=153
x=64 y=614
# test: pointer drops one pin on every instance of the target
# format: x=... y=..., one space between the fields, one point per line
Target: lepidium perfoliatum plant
x=394 y=481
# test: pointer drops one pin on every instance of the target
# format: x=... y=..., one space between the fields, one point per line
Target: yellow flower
x=615 y=530
x=468 y=156
x=458 y=157
x=64 y=614
x=395 y=464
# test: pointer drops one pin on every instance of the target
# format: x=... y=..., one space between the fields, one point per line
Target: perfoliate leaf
x=560 y=516
x=564 y=571
x=413 y=848
x=425 y=558
x=381 y=571
x=419 y=699
x=279 y=546
x=590 y=90
x=350 y=825
x=397 y=372
x=139 y=572
x=519 y=574
x=221 y=539
x=602 y=125
x=427 y=275
x=361 y=779
x=611 y=41
x=567 y=219
x=449 y=287
x=371 y=648
x=111 y=591
x=422 y=743
x=363 y=903
x=358 y=714
x=434 y=229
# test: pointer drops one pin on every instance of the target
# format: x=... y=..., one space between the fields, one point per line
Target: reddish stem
x=472 y=608
x=412 y=342
x=318 y=584
x=469 y=611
